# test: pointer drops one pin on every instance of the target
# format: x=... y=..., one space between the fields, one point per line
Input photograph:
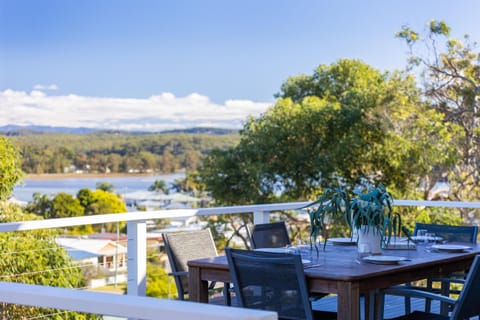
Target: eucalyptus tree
x=450 y=70
x=345 y=124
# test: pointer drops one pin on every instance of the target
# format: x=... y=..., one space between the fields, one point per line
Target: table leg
x=445 y=289
x=348 y=301
x=368 y=305
x=197 y=288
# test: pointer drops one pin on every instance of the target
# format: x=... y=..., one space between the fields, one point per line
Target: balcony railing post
x=261 y=217
x=137 y=258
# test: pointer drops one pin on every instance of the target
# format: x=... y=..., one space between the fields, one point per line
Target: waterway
x=123 y=184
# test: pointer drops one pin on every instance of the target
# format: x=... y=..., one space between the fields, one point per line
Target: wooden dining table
x=338 y=270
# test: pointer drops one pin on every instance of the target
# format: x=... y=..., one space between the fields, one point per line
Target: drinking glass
x=430 y=239
x=422 y=236
x=364 y=250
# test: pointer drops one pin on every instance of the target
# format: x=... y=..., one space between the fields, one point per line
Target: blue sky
x=146 y=64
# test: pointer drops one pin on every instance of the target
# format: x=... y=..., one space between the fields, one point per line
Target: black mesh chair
x=449 y=233
x=189 y=245
x=272 y=281
x=466 y=306
x=269 y=235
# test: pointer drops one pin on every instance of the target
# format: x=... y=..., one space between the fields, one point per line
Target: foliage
x=33 y=257
x=105 y=186
x=372 y=209
x=117 y=152
x=344 y=124
x=159 y=186
x=450 y=71
x=226 y=227
x=411 y=215
x=87 y=202
x=85 y=197
x=102 y=202
x=40 y=206
x=332 y=205
x=10 y=172
x=191 y=183
x=65 y=205
x=158 y=284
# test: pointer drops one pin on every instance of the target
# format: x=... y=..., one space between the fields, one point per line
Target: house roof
x=81 y=248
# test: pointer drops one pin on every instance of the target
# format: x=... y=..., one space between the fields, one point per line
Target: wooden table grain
x=337 y=270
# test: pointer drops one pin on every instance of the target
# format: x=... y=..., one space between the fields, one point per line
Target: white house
x=105 y=254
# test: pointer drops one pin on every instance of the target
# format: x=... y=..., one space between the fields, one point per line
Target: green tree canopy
x=87 y=202
x=105 y=186
x=33 y=257
x=105 y=202
x=159 y=186
x=346 y=123
x=450 y=70
x=65 y=205
x=10 y=164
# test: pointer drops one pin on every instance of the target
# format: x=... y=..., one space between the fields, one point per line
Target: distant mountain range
x=14 y=130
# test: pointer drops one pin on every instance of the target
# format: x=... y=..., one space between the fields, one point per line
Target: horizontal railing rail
x=133 y=307
x=258 y=210
x=146 y=215
x=136 y=228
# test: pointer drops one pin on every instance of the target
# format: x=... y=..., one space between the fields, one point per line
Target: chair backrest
x=467 y=305
x=184 y=246
x=270 y=235
x=450 y=233
x=270 y=281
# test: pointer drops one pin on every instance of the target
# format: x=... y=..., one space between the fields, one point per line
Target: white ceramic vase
x=372 y=238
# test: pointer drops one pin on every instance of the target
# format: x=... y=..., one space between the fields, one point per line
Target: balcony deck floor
x=394 y=305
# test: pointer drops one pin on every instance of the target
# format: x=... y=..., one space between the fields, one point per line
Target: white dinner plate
x=343 y=241
x=450 y=248
x=384 y=259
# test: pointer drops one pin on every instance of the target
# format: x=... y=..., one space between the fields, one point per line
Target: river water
x=123 y=184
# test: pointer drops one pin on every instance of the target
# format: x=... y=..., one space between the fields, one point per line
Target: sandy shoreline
x=84 y=175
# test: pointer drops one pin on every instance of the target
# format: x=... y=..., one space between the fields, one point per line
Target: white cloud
x=156 y=113
x=41 y=87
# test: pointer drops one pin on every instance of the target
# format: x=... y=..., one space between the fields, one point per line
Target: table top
x=341 y=263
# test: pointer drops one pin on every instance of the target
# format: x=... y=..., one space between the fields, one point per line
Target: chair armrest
x=415 y=293
x=178 y=273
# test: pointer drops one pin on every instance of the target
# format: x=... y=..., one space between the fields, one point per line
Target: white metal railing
x=136 y=246
x=122 y=306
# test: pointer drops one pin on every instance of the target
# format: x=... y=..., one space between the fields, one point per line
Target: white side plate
x=384 y=259
x=450 y=248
